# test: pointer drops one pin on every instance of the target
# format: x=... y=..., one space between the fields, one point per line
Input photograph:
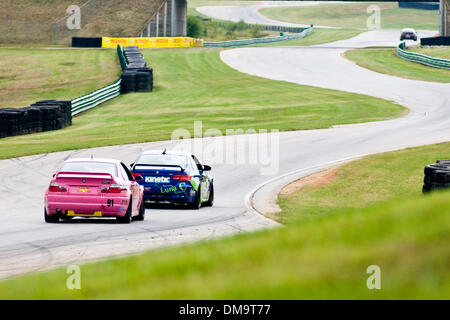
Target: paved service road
x=28 y=244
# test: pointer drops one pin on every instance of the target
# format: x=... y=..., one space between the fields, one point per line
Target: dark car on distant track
x=408 y=34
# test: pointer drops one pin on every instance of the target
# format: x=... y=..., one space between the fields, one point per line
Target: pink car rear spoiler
x=95 y=175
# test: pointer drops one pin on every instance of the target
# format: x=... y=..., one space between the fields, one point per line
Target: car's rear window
x=163 y=159
x=90 y=167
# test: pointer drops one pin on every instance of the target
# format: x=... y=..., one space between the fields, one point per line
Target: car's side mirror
x=206 y=168
x=200 y=167
x=138 y=177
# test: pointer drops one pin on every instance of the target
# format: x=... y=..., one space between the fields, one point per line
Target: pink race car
x=94 y=188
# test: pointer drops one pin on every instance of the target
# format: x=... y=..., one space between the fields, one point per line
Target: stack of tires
x=128 y=81
x=84 y=42
x=136 y=77
x=3 y=124
x=41 y=116
x=56 y=114
x=14 y=121
x=437 y=176
x=31 y=120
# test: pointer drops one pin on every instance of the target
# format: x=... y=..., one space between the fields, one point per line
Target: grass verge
x=437 y=52
x=29 y=75
x=392 y=176
x=355 y=15
x=324 y=257
x=384 y=60
x=192 y=85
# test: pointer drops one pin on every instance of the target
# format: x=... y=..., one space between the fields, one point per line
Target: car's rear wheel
x=197 y=202
x=50 y=218
x=141 y=215
x=127 y=217
x=210 y=201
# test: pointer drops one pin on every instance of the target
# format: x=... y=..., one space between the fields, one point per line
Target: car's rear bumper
x=185 y=197
x=86 y=206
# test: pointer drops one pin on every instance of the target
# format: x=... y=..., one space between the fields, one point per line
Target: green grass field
x=392 y=176
x=194 y=84
x=29 y=75
x=354 y=15
x=384 y=60
x=438 y=52
x=384 y=222
x=319 y=36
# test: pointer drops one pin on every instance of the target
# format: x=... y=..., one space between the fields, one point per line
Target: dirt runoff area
x=316 y=180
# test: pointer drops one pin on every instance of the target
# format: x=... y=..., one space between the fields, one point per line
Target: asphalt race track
x=29 y=244
x=250 y=14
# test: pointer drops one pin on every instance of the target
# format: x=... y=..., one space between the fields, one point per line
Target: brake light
x=55 y=187
x=182 y=177
x=137 y=175
x=113 y=188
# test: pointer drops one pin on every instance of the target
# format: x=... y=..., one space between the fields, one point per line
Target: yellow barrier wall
x=161 y=42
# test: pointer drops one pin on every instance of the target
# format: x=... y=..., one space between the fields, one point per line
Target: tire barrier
x=421 y=58
x=83 y=42
x=419 y=5
x=49 y=115
x=246 y=42
x=437 y=176
x=435 y=41
x=136 y=77
x=41 y=116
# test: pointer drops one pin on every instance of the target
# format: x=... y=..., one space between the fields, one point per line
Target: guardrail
x=246 y=42
x=139 y=79
x=101 y=95
x=278 y=28
x=421 y=58
x=122 y=59
x=265 y=27
x=96 y=97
